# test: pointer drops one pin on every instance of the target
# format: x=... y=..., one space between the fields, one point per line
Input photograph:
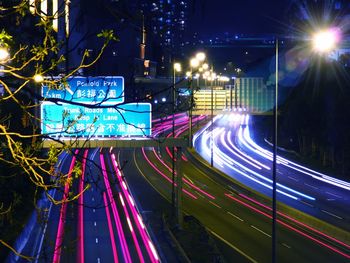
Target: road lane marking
x=98 y=260
x=309 y=185
x=295 y=179
x=200 y=194
x=93 y=210
x=331 y=214
x=284 y=244
x=96 y=240
x=305 y=203
x=334 y=194
x=93 y=199
x=240 y=219
x=214 y=204
x=260 y=231
x=95 y=223
x=235 y=248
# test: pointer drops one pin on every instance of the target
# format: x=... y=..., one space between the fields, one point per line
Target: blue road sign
x=89 y=90
x=133 y=119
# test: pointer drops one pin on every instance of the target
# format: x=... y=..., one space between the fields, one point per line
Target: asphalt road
x=237 y=219
x=236 y=154
x=103 y=224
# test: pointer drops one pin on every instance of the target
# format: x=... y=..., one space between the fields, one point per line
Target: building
x=166 y=22
x=247 y=94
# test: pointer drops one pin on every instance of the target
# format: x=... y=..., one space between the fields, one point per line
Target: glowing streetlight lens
x=38 y=78
x=4 y=54
x=177 y=67
x=325 y=41
x=200 y=56
x=194 y=62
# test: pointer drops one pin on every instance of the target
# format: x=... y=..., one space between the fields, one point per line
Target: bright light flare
x=38 y=78
x=194 y=63
x=200 y=56
x=177 y=67
x=4 y=54
x=326 y=40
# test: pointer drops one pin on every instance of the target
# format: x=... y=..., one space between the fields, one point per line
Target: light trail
x=183 y=179
x=136 y=215
x=164 y=176
x=110 y=227
x=296 y=221
x=249 y=143
x=230 y=162
x=80 y=252
x=121 y=235
x=63 y=211
x=290 y=227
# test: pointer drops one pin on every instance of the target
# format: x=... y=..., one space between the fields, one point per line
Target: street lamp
x=176 y=68
x=200 y=56
x=4 y=54
x=38 y=78
x=325 y=41
x=194 y=63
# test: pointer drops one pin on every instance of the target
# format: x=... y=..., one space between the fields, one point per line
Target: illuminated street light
x=194 y=63
x=200 y=56
x=325 y=41
x=38 y=78
x=177 y=67
x=205 y=66
x=4 y=54
x=188 y=74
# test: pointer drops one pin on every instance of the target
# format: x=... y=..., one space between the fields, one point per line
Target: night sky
x=244 y=17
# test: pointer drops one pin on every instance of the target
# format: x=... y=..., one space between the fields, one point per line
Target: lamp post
x=323 y=42
x=274 y=163
x=194 y=63
x=176 y=68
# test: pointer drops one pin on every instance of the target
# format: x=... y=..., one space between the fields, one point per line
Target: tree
x=34 y=51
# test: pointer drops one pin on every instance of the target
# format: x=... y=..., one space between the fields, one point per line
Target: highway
x=238 y=218
x=103 y=224
x=238 y=155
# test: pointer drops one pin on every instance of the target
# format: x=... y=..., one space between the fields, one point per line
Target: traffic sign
x=106 y=90
x=132 y=119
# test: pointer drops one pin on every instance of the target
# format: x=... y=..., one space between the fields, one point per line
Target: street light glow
x=177 y=67
x=325 y=41
x=194 y=62
x=205 y=66
x=38 y=78
x=4 y=54
x=200 y=56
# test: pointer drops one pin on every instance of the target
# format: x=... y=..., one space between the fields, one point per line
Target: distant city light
x=155 y=101
x=163 y=99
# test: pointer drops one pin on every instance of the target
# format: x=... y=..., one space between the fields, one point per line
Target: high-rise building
x=166 y=21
